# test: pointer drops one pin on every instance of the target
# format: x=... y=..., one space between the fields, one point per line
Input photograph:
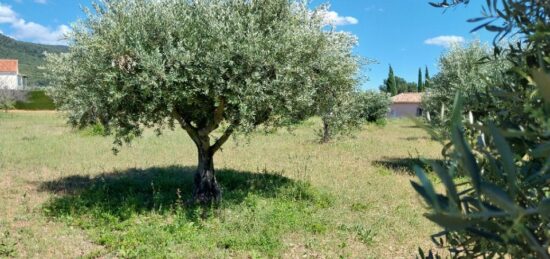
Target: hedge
x=36 y=100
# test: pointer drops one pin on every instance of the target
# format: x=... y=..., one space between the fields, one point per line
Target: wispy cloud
x=30 y=31
x=333 y=18
x=372 y=8
x=445 y=40
x=41 y=1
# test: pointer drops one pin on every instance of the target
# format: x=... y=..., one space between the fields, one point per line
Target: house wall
x=404 y=110
x=9 y=81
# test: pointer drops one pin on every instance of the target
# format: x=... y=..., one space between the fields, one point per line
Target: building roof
x=407 y=98
x=9 y=65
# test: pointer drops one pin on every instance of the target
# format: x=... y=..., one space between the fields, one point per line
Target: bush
x=36 y=100
x=373 y=106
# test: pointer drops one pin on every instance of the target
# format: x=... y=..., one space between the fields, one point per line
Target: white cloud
x=7 y=15
x=30 y=31
x=445 y=40
x=333 y=18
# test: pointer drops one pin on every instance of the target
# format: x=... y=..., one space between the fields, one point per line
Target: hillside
x=30 y=56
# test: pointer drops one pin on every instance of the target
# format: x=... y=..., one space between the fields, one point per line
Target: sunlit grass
x=64 y=194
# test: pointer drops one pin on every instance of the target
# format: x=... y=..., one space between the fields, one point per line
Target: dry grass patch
x=64 y=194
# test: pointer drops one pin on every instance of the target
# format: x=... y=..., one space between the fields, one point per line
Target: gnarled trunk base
x=206 y=189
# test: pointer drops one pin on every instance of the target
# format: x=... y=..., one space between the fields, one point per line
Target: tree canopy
x=210 y=66
x=465 y=69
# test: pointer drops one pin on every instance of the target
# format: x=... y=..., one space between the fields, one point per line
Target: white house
x=9 y=75
x=406 y=105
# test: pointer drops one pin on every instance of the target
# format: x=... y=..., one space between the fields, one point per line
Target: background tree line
x=395 y=85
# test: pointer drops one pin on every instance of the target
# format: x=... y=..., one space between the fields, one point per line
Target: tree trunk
x=326 y=132
x=206 y=189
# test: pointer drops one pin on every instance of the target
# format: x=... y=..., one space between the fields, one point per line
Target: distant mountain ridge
x=30 y=56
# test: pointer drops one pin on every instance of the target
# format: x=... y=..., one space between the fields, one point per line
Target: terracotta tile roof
x=407 y=98
x=9 y=65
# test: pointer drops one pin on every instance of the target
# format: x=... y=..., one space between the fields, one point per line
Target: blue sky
x=407 y=34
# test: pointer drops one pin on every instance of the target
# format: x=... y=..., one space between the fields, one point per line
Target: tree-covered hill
x=30 y=56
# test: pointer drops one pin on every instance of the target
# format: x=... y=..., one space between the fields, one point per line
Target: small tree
x=337 y=82
x=373 y=106
x=215 y=67
x=341 y=118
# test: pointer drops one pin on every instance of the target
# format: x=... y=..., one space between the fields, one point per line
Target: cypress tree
x=420 y=82
x=427 y=79
x=391 y=85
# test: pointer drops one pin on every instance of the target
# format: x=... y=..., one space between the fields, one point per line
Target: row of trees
x=394 y=85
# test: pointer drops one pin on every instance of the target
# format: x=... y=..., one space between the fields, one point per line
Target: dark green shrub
x=36 y=100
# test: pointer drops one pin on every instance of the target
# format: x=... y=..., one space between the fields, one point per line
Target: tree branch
x=214 y=148
x=192 y=131
x=217 y=118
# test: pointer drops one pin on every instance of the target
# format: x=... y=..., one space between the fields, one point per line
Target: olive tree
x=337 y=81
x=465 y=69
x=500 y=208
x=213 y=67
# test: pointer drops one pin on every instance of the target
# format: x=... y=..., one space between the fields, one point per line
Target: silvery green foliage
x=501 y=208
x=467 y=70
x=337 y=80
x=373 y=106
x=211 y=63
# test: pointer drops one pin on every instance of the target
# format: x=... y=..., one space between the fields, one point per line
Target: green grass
x=64 y=194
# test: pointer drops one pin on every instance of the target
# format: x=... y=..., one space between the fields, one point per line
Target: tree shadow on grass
x=405 y=164
x=135 y=191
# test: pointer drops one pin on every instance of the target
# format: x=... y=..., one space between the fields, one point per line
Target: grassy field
x=64 y=194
